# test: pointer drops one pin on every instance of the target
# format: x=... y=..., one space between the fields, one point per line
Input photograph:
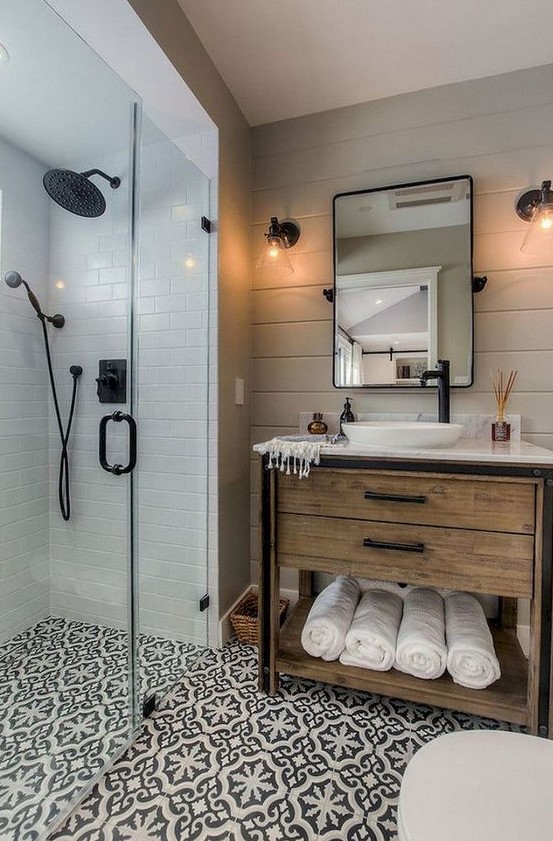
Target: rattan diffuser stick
x=502 y=391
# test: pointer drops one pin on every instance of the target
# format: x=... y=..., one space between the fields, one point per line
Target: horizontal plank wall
x=499 y=131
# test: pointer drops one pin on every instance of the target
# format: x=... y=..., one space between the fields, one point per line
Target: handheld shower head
x=13 y=279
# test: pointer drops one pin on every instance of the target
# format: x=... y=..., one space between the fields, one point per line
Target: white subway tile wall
x=90 y=260
x=90 y=286
x=173 y=389
x=24 y=555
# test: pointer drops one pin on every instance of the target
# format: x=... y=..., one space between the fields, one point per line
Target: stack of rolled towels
x=419 y=631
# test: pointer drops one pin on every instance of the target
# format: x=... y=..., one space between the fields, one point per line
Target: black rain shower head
x=74 y=192
x=13 y=280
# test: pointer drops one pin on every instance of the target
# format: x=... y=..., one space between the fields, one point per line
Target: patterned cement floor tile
x=219 y=761
x=64 y=713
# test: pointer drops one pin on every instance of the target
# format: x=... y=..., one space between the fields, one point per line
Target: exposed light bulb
x=278 y=239
x=546 y=221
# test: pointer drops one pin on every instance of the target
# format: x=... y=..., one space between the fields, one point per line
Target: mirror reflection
x=403 y=283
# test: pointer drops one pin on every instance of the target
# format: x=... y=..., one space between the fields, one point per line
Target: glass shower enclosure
x=100 y=612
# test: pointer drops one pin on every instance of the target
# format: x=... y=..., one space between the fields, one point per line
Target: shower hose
x=64 y=495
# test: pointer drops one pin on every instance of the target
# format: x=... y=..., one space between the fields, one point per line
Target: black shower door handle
x=117 y=469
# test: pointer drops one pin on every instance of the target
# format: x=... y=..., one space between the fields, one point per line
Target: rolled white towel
x=389 y=586
x=471 y=658
x=326 y=626
x=421 y=650
x=371 y=640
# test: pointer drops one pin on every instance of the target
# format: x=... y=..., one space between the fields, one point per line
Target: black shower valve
x=112 y=381
x=109 y=380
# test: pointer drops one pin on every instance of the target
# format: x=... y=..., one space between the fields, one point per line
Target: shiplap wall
x=499 y=131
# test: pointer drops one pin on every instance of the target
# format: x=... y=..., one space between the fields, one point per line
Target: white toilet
x=479 y=785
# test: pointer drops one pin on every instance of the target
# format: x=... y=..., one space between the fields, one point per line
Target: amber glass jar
x=317 y=425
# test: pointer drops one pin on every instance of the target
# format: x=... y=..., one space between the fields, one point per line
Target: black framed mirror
x=403 y=283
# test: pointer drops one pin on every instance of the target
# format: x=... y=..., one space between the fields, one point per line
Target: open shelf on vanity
x=505 y=700
x=484 y=528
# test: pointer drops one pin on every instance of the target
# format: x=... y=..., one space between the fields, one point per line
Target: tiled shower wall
x=24 y=587
x=492 y=129
x=91 y=257
x=173 y=334
x=89 y=285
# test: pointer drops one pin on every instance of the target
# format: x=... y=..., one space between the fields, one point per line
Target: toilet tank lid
x=482 y=785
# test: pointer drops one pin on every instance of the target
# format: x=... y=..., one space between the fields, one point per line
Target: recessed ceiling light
x=379 y=301
x=60 y=284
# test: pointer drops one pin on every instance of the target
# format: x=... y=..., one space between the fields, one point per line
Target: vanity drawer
x=438 y=500
x=464 y=559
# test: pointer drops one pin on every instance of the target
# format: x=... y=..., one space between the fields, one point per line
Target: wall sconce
x=280 y=237
x=536 y=207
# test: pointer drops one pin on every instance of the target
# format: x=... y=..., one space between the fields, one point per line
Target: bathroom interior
x=275 y=403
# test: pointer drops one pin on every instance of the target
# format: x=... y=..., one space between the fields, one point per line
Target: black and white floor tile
x=221 y=762
x=64 y=713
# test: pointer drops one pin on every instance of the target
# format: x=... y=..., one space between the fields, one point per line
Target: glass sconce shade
x=273 y=258
x=536 y=207
x=540 y=231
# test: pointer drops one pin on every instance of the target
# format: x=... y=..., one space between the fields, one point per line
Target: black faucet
x=441 y=374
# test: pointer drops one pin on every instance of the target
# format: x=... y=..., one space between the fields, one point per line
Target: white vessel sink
x=402 y=434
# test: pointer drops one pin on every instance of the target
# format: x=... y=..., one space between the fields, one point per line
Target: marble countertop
x=466 y=449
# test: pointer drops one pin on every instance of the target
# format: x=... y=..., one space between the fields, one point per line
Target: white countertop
x=466 y=449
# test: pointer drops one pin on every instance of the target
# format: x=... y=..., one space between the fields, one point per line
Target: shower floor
x=64 y=713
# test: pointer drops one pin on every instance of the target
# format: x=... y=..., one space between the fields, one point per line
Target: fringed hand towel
x=371 y=640
x=324 y=632
x=421 y=650
x=471 y=658
x=294 y=453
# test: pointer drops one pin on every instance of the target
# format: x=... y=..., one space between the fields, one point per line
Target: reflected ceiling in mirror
x=403 y=283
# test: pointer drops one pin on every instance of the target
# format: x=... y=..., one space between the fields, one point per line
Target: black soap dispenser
x=347 y=415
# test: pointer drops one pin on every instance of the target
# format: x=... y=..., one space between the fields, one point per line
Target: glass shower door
x=65 y=629
x=171 y=365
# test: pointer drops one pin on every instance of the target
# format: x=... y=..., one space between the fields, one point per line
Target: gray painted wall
x=169 y=26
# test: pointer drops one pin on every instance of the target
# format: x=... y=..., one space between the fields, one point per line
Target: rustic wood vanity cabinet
x=483 y=528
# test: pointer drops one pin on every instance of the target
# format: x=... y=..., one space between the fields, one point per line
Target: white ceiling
x=292 y=57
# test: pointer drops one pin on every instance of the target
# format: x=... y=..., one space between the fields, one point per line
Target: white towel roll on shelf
x=371 y=640
x=421 y=650
x=329 y=619
x=471 y=658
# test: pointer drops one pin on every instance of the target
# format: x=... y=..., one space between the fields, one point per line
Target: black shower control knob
x=109 y=379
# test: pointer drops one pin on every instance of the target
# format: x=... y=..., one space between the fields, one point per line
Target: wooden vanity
x=480 y=526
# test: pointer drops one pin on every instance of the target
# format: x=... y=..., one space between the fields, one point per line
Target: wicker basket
x=245 y=617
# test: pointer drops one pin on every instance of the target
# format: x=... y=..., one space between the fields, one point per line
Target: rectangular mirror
x=403 y=283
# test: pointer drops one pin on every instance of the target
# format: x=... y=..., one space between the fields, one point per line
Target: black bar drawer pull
x=419 y=500
x=398 y=547
x=117 y=469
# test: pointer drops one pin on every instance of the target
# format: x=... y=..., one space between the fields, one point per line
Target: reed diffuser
x=501 y=430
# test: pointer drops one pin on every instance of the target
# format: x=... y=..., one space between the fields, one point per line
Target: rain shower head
x=76 y=193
